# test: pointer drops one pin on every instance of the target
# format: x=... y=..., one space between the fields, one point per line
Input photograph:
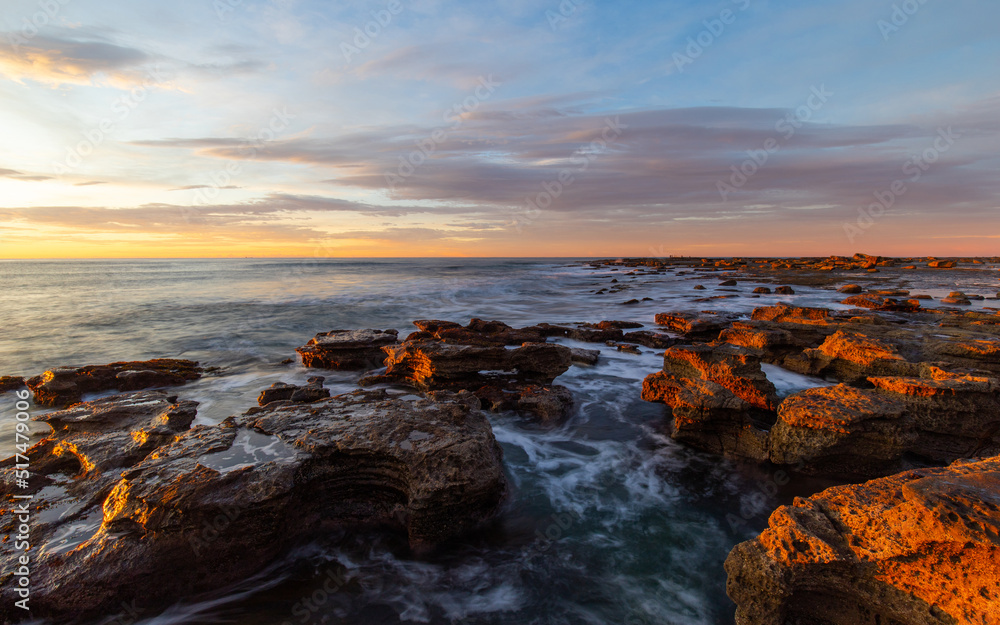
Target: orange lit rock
x=917 y=548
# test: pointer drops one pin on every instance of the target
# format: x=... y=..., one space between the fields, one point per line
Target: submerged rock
x=63 y=386
x=277 y=477
x=917 y=548
x=347 y=349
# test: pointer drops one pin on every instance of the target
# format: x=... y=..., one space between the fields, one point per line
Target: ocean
x=609 y=521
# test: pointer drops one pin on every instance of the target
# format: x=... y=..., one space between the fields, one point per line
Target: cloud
x=666 y=164
x=58 y=61
x=16 y=175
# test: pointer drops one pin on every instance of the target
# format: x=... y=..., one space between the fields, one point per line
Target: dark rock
x=656 y=340
x=548 y=404
x=211 y=503
x=10 y=383
x=699 y=287
x=63 y=386
x=585 y=356
x=762 y=290
x=616 y=325
x=784 y=290
x=279 y=391
x=630 y=302
x=728 y=283
x=851 y=289
x=347 y=349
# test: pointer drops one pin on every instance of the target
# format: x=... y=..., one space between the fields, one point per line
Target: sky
x=571 y=128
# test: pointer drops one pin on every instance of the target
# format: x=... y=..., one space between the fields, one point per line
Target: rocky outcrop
x=279 y=391
x=702 y=325
x=852 y=356
x=478 y=332
x=852 y=433
x=66 y=385
x=220 y=503
x=505 y=379
x=726 y=365
x=877 y=302
x=720 y=399
x=347 y=350
x=708 y=416
x=433 y=364
x=917 y=548
x=10 y=383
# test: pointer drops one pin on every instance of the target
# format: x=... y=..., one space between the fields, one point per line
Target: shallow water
x=610 y=521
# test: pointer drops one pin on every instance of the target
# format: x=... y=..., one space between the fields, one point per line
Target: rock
x=699 y=287
x=347 y=349
x=756 y=336
x=960 y=301
x=763 y=290
x=917 y=548
x=719 y=397
x=480 y=332
x=221 y=503
x=792 y=314
x=693 y=324
x=588 y=333
x=430 y=365
x=10 y=383
x=784 y=290
x=877 y=302
x=942 y=264
x=850 y=289
x=728 y=283
x=548 y=404
x=656 y=340
x=279 y=391
x=891 y=292
x=630 y=302
x=436 y=365
x=922 y=297
x=115 y=432
x=584 y=356
x=709 y=416
x=622 y=347
x=852 y=433
x=63 y=386
x=615 y=325
x=729 y=366
x=851 y=356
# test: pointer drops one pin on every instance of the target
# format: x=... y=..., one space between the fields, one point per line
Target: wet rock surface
x=124 y=513
x=347 y=349
x=505 y=379
x=279 y=391
x=63 y=386
x=917 y=548
x=10 y=383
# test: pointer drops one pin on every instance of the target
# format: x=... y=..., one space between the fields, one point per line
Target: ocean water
x=609 y=521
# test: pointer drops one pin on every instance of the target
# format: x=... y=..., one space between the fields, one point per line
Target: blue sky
x=229 y=127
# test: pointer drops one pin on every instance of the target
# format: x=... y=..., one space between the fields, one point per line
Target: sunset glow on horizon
x=520 y=128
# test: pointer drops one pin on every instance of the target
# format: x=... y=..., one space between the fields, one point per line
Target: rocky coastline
x=907 y=420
